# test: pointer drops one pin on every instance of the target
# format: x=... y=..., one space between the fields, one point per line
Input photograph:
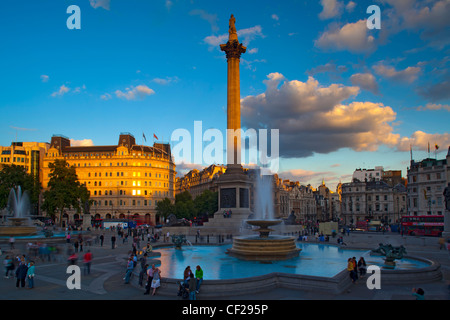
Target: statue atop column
x=232 y=29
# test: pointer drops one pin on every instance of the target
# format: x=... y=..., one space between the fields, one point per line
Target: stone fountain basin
x=264 y=223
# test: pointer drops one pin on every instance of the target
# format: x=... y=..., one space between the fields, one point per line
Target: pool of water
x=315 y=260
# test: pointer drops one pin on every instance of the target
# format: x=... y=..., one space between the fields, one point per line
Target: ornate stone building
x=372 y=200
x=125 y=180
x=427 y=180
x=196 y=181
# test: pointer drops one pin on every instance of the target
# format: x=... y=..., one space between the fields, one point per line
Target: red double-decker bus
x=423 y=225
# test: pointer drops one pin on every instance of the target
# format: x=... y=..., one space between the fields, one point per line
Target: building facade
x=125 y=181
x=427 y=180
x=29 y=155
x=372 y=201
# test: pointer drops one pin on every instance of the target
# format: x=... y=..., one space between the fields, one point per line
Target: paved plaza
x=105 y=282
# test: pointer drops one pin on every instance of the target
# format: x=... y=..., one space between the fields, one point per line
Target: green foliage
x=12 y=176
x=64 y=189
x=206 y=203
x=164 y=208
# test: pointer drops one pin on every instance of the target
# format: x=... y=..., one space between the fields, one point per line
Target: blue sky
x=342 y=96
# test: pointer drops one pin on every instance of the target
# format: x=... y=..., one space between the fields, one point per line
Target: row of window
x=15 y=159
x=134 y=192
x=426 y=177
x=124 y=203
x=125 y=183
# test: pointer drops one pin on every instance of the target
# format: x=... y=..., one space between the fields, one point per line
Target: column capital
x=233 y=49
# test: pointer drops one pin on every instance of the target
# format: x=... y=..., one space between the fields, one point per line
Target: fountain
x=18 y=222
x=264 y=247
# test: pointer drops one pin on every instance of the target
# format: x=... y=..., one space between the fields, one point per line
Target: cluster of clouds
x=322 y=119
x=429 y=18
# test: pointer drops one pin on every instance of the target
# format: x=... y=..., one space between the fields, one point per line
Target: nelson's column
x=234 y=186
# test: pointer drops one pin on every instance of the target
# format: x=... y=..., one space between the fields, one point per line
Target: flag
x=154 y=136
x=143 y=136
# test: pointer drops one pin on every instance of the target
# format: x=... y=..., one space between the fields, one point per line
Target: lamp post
x=128 y=220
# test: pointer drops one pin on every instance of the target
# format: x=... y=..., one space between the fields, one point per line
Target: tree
x=184 y=206
x=164 y=208
x=64 y=189
x=13 y=176
x=206 y=203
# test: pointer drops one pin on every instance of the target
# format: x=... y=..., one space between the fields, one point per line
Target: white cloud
x=105 y=4
x=353 y=37
x=135 y=93
x=350 y=6
x=81 y=143
x=430 y=18
x=62 y=90
x=245 y=36
x=409 y=75
x=419 y=140
x=106 y=96
x=211 y=18
x=275 y=17
x=313 y=118
x=44 y=78
x=331 y=9
x=365 y=81
x=166 y=80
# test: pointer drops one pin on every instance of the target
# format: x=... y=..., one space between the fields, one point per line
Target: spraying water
x=264 y=197
x=19 y=203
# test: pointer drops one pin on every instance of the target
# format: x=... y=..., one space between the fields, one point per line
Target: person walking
x=21 y=274
x=30 y=275
x=8 y=263
x=102 y=238
x=144 y=267
x=113 y=241
x=87 y=259
x=199 y=277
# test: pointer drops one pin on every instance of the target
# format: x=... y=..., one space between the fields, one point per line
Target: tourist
x=113 y=241
x=72 y=260
x=87 y=259
x=192 y=286
x=351 y=269
x=102 y=238
x=418 y=293
x=8 y=263
x=362 y=267
x=150 y=272
x=186 y=275
x=156 y=282
x=11 y=242
x=30 y=275
x=355 y=267
x=129 y=271
x=441 y=243
x=21 y=274
x=199 y=277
